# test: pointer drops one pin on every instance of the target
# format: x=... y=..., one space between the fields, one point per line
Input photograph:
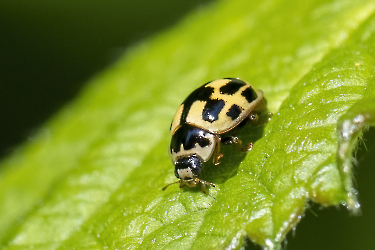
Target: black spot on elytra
x=200 y=94
x=250 y=94
x=232 y=87
x=234 y=112
x=212 y=110
x=188 y=136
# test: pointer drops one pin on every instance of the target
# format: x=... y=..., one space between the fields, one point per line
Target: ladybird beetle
x=201 y=124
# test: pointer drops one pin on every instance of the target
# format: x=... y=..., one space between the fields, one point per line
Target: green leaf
x=92 y=177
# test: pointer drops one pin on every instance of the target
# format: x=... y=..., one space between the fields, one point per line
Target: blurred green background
x=48 y=49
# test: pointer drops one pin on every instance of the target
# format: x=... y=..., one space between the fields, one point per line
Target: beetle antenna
x=164 y=188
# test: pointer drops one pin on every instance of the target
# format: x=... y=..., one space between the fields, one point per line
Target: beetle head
x=188 y=169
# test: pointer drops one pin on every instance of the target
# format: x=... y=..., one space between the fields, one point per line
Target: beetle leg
x=255 y=120
x=235 y=140
x=204 y=185
x=253 y=117
x=247 y=147
x=217 y=154
x=182 y=183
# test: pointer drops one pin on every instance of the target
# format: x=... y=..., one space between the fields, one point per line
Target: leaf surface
x=92 y=177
